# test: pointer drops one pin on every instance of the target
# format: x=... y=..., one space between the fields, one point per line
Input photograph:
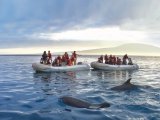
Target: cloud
x=66 y=14
x=39 y=23
x=106 y=34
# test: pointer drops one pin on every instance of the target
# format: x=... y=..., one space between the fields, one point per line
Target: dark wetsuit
x=44 y=57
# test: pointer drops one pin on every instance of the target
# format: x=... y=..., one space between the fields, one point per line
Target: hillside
x=132 y=49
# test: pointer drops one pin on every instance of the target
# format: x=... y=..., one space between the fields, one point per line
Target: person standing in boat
x=66 y=56
x=75 y=57
x=125 y=57
x=49 y=57
x=44 y=57
x=110 y=59
x=106 y=59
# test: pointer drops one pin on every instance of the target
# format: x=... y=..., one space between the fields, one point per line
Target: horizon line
x=80 y=54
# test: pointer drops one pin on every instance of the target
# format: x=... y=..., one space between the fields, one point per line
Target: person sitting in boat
x=44 y=57
x=49 y=57
x=114 y=59
x=48 y=61
x=130 y=61
x=106 y=59
x=100 y=59
x=119 y=62
x=125 y=57
x=124 y=61
x=64 y=61
x=59 y=60
x=55 y=62
x=41 y=60
x=69 y=62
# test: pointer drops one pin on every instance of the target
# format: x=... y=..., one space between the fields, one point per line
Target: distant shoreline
x=132 y=49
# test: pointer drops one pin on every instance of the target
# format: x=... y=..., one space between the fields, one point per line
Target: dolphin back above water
x=125 y=86
x=74 y=102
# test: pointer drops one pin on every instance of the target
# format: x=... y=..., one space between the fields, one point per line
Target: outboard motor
x=79 y=63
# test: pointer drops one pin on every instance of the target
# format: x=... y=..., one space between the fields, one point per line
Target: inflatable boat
x=103 y=66
x=38 y=67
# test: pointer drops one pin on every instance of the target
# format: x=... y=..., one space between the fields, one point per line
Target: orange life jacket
x=69 y=62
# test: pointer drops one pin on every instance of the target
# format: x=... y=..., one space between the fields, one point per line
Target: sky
x=32 y=26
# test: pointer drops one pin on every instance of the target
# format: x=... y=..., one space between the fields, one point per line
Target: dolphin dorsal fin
x=128 y=81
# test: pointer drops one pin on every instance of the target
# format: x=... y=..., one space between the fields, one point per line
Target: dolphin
x=74 y=102
x=125 y=86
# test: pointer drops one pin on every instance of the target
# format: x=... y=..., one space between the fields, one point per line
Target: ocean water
x=26 y=95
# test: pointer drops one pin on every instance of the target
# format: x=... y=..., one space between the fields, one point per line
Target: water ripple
x=34 y=96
